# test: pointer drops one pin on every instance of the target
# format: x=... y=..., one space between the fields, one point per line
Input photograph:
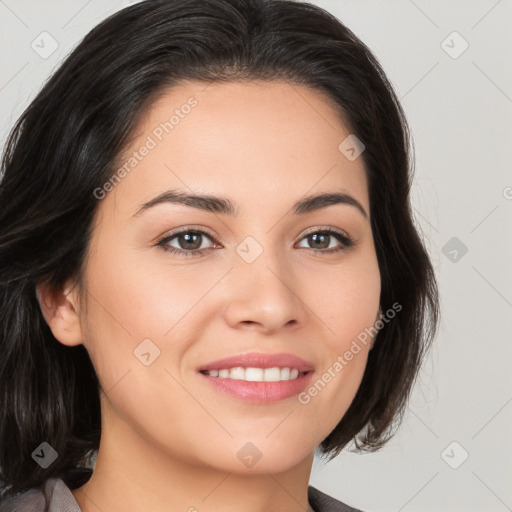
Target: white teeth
x=256 y=374
x=236 y=373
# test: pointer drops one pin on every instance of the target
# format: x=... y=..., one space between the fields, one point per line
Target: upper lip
x=259 y=360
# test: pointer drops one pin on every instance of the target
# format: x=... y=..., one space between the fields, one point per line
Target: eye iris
x=316 y=237
x=187 y=238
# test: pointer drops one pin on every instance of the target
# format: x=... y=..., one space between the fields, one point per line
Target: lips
x=259 y=360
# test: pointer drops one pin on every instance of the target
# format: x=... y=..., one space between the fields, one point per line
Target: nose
x=263 y=296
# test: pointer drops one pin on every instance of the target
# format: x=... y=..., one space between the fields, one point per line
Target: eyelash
x=345 y=240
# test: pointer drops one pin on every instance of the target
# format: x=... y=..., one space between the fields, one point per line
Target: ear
x=60 y=310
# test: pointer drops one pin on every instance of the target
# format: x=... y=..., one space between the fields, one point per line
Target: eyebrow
x=224 y=206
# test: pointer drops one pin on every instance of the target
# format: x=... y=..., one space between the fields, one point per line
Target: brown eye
x=325 y=241
x=186 y=243
x=189 y=241
x=319 y=240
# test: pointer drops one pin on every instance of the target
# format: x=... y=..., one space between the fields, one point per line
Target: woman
x=208 y=264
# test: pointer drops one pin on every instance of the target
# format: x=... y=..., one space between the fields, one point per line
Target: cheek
x=130 y=301
x=346 y=299
x=348 y=311
x=129 y=316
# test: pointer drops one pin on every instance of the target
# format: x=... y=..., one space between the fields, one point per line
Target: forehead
x=259 y=143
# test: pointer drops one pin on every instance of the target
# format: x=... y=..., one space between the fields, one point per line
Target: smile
x=275 y=374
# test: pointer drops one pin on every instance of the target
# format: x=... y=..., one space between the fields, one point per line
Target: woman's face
x=262 y=279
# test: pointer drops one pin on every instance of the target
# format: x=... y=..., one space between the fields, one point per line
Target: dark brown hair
x=65 y=145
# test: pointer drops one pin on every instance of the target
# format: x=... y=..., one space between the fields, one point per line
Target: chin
x=258 y=458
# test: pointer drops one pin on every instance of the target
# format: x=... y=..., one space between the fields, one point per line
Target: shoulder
x=54 y=495
x=321 y=502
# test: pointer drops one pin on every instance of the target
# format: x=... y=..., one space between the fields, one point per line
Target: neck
x=133 y=475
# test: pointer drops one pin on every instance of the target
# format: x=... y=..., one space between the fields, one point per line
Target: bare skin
x=169 y=440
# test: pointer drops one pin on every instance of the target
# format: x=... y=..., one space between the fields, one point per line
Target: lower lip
x=260 y=392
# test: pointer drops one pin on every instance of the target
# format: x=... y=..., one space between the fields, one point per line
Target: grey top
x=55 y=496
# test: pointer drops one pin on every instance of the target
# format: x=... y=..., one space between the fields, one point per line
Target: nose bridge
x=261 y=287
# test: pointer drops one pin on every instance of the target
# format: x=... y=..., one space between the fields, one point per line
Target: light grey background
x=460 y=112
